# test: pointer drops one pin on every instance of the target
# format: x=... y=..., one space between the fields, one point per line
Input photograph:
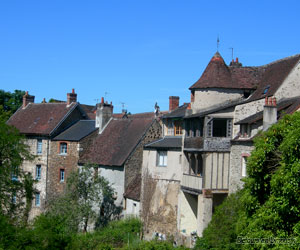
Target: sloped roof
x=133 y=191
x=113 y=146
x=90 y=111
x=40 y=118
x=286 y=106
x=178 y=112
x=218 y=75
x=77 y=131
x=273 y=76
x=167 y=142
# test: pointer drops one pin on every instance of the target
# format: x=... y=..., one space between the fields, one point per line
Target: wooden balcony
x=191 y=182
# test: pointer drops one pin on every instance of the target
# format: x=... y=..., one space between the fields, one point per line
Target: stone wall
x=30 y=167
x=238 y=149
x=133 y=165
x=67 y=162
x=205 y=98
x=290 y=86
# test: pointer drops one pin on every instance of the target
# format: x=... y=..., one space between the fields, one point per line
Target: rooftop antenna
x=218 y=43
x=231 y=53
x=123 y=107
x=97 y=100
x=105 y=95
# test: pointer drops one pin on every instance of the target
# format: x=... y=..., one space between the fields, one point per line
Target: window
x=219 y=128
x=15 y=173
x=37 y=199
x=38 y=170
x=178 y=127
x=63 y=148
x=170 y=127
x=162 y=158
x=62 y=175
x=244 y=166
x=266 y=90
x=39 y=147
x=14 y=198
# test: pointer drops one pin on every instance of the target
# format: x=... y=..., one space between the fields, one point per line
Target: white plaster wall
x=132 y=208
x=291 y=85
x=30 y=166
x=173 y=171
x=235 y=175
x=205 y=98
x=115 y=176
x=188 y=206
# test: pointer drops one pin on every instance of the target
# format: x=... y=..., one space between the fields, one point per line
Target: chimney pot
x=237 y=60
x=102 y=99
x=73 y=91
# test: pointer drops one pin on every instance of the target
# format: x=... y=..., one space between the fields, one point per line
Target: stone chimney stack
x=71 y=97
x=103 y=114
x=270 y=112
x=173 y=103
x=27 y=99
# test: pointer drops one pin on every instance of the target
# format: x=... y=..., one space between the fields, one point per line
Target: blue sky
x=135 y=52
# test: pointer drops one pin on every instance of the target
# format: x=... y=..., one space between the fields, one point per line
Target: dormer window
x=266 y=90
x=174 y=127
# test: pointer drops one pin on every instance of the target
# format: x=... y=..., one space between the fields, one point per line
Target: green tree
x=86 y=194
x=269 y=205
x=14 y=183
x=11 y=101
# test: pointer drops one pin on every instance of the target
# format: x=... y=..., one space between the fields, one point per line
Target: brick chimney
x=173 y=103
x=270 y=112
x=71 y=97
x=27 y=99
x=103 y=114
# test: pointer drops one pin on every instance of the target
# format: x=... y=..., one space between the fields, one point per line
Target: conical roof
x=218 y=75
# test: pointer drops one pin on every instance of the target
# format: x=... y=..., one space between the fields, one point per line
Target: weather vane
x=218 y=43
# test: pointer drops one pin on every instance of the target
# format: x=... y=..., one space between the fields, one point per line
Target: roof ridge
x=277 y=61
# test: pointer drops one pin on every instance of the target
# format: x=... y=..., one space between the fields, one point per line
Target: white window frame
x=63 y=148
x=162 y=158
x=244 y=165
x=61 y=175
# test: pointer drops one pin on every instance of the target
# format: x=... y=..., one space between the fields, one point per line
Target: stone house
x=161 y=174
x=41 y=123
x=226 y=111
x=116 y=148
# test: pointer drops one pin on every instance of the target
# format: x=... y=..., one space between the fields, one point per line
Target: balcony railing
x=192 y=182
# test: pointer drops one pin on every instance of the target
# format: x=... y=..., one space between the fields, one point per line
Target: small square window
x=162 y=158
x=63 y=148
x=37 y=200
x=62 y=175
x=39 y=147
x=38 y=170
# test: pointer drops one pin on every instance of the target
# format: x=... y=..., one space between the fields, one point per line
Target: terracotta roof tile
x=113 y=146
x=273 y=76
x=40 y=118
x=218 y=75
